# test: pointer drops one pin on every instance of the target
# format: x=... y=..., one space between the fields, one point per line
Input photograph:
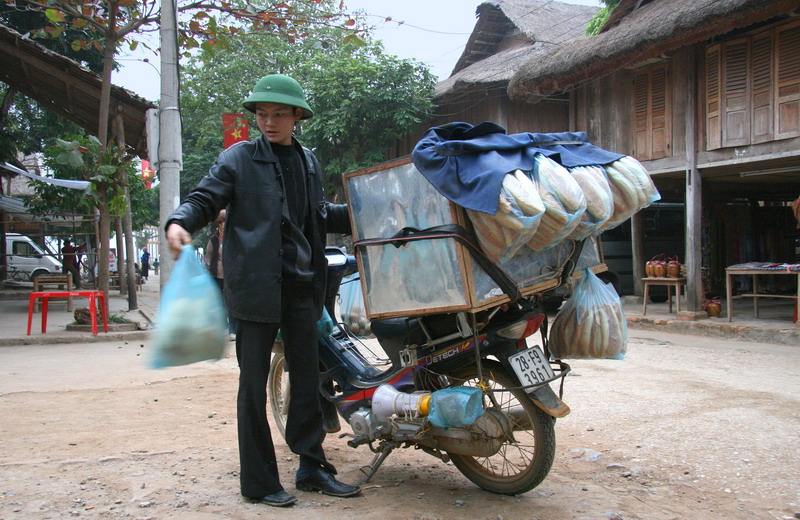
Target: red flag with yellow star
x=147 y=174
x=235 y=128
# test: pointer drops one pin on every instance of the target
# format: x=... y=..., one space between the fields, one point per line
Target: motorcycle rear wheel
x=278 y=391
x=518 y=466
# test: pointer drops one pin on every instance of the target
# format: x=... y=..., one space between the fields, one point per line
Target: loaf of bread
x=599 y=200
x=632 y=190
x=564 y=203
x=594 y=332
x=519 y=212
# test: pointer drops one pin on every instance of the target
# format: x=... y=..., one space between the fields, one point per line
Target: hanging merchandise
x=585 y=190
x=599 y=200
x=191 y=318
x=564 y=203
x=518 y=216
x=632 y=190
x=351 y=307
x=591 y=324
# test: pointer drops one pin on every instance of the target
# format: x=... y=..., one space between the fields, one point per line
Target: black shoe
x=321 y=480
x=279 y=499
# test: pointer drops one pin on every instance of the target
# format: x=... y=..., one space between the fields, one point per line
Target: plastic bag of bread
x=599 y=200
x=632 y=188
x=564 y=203
x=591 y=324
x=519 y=212
x=351 y=307
x=191 y=317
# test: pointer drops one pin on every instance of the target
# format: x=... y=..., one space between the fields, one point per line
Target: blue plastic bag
x=352 y=308
x=325 y=326
x=591 y=324
x=456 y=406
x=191 y=318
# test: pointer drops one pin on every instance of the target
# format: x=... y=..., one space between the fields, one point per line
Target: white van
x=25 y=260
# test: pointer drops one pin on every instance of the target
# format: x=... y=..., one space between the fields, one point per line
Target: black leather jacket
x=246 y=180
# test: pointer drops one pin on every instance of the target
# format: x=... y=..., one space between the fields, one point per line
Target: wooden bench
x=44 y=297
x=113 y=280
x=60 y=282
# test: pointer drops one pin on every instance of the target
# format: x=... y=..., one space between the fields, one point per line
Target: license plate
x=531 y=367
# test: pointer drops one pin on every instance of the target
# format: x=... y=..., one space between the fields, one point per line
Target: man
x=145 y=264
x=71 y=260
x=275 y=270
x=213 y=261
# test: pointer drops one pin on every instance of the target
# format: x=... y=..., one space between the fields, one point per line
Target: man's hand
x=177 y=237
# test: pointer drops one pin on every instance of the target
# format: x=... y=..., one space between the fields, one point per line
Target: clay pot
x=650 y=267
x=713 y=309
x=674 y=268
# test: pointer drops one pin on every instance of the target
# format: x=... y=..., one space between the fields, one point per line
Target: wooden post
x=694 y=199
x=637 y=246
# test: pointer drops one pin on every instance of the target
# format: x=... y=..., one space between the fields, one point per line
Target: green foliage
x=362 y=98
x=363 y=103
x=82 y=158
x=29 y=126
x=598 y=20
x=32 y=22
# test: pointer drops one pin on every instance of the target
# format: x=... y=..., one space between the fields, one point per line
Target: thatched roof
x=657 y=27
x=507 y=33
x=67 y=88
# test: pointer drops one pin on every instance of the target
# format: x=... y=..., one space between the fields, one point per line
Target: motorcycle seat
x=394 y=328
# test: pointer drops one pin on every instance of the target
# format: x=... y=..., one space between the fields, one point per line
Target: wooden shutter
x=787 y=84
x=761 y=88
x=713 y=129
x=651 y=113
x=641 y=108
x=736 y=94
x=659 y=114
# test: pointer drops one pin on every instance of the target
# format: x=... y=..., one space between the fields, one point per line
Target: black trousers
x=304 y=433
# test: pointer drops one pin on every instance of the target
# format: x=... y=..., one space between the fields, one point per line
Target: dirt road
x=684 y=428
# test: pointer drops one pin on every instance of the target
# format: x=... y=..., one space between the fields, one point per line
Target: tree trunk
x=123 y=286
x=102 y=247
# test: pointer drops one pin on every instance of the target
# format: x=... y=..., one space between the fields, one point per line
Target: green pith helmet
x=278 y=88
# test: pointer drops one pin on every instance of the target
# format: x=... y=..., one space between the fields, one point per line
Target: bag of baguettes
x=519 y=212
x=563 y=199
x=632 y=190
x=599 y=200
x=591 y=324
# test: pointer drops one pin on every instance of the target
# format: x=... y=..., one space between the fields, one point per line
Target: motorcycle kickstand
x=369 y=471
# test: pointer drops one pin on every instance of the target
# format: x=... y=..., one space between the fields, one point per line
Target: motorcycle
x=386 y=400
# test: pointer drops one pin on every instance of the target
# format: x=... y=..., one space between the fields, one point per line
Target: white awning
x=64 y=183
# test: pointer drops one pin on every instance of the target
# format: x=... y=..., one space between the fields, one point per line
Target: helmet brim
x=275 y=97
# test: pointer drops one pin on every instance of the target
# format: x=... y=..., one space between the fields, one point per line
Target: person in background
x=145 y=264
x=275 y=277
x=213 y=261
x=155 y=266
x=71 y=260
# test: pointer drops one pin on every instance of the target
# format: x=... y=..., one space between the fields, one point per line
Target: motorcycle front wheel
x=278 y=390
x=523 y=461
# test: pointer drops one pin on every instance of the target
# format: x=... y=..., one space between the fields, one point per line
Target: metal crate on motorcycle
x=439 y=273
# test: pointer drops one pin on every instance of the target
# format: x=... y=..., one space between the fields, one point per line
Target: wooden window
x=736 y=94
x=753 y=88
x=761 y=58
x=651 y=113
x=787 y=86
x=713 y=128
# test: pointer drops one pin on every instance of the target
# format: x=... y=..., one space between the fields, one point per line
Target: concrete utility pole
x=170 y=161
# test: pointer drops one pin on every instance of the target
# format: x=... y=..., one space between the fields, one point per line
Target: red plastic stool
x=44 y=296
